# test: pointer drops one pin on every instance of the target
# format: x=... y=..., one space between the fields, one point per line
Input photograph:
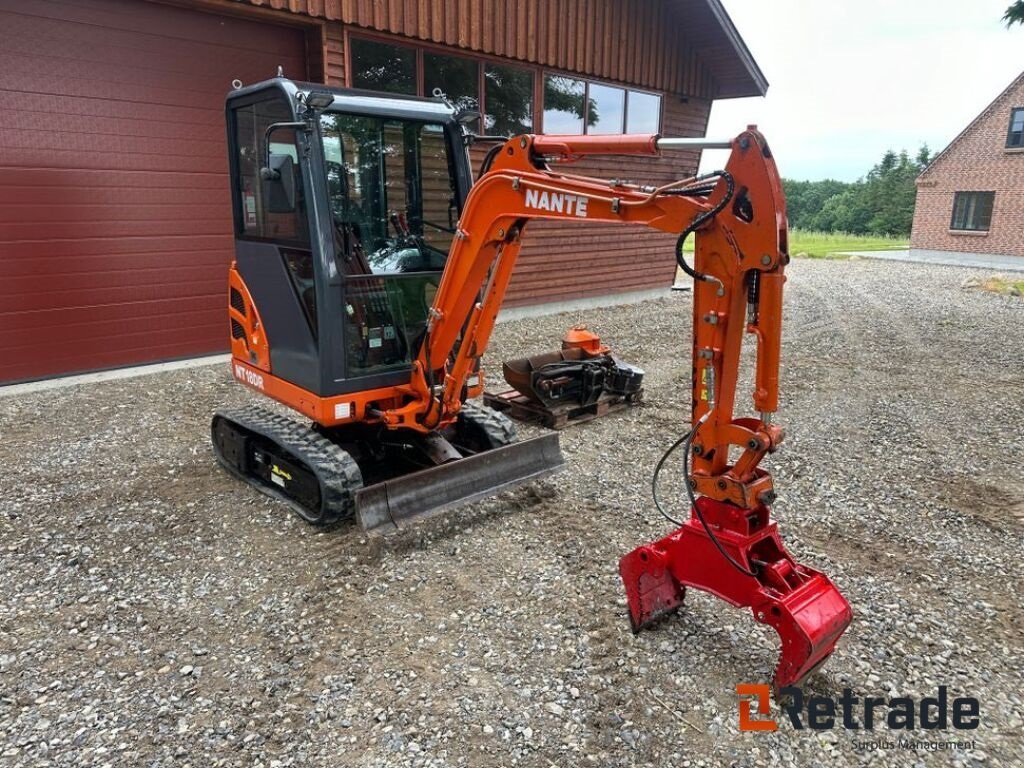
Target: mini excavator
x=369 y=270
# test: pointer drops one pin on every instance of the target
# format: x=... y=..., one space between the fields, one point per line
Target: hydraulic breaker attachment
x=390 y=505
x=802 y=604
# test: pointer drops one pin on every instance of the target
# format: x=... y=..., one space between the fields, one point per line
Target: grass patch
x=830 y=245
x=1003 y=286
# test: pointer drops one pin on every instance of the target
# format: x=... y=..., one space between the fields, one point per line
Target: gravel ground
x=156 y=612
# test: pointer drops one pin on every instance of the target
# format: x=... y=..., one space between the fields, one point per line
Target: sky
x=849 y=79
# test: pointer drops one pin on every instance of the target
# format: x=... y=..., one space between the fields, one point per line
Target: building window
x=456 y=77
x=1015 y=136
x=504 y=92
x=643 y=113
x=508 y=100
x=383 y=67
x=608 y=109
x=564 y=98
x=972 y=211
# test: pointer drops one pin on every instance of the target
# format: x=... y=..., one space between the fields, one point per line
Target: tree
x=805 y=199
x=880 y=203
x=1015 y=14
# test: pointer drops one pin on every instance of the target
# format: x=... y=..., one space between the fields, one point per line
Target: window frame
x=548 y=73
x=237 y=194
x=421 y=74
x=587 y=82
x=1014 y=112
x=625 y=105
x=420 y=48
x=661 y=108
x=417 y=62
x=482 y=59
x=532 y=71
x=967 y=193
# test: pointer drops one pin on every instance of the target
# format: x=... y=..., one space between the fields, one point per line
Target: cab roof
x=351 y=100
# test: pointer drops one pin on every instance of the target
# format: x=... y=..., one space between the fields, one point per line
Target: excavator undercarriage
x=383 y=481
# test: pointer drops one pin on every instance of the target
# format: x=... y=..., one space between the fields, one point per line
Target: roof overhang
x=718 y=43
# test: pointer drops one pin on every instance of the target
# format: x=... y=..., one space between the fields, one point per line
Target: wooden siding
x=334 y=54
x=646 y=43
x=561 y=262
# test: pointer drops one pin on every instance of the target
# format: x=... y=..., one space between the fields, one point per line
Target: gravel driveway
x=155 y=612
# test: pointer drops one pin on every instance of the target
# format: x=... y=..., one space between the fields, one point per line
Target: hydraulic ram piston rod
x=693 y=143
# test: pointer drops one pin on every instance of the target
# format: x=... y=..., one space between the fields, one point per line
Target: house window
x=972 y=211
x=508 y=100
x=456 y=77
x=1015 y=136
x=643 y=113
x=383 y=67
x=503 y=92
x=564 y=98
x=608 y=109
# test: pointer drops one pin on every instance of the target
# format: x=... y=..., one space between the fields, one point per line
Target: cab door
x=395 y=201
x=273 y=249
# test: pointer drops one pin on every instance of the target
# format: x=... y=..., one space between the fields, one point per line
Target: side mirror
x=279 y=184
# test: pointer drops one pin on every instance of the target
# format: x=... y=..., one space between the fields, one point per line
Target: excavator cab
x=346 y=206
x=351 y=207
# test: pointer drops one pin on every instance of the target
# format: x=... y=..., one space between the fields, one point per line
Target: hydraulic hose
x=700 y=219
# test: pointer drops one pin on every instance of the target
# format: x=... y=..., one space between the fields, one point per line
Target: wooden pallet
x=521 y=408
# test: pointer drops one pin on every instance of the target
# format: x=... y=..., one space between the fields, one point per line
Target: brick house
x=115 y=207
x=970 y=198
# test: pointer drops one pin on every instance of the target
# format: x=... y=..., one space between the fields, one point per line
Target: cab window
x=394 y=202
x=392 y=193
x=256 y=217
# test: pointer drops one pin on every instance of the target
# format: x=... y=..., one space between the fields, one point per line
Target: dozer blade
x=391 y=505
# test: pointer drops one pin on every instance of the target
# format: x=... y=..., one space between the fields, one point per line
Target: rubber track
x=336 y=471
x=497 y=426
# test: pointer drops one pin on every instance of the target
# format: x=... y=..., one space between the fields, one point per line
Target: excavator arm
x=729 y=546
x=520 y=186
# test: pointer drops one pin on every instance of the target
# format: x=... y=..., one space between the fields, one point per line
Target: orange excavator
x=369 y=272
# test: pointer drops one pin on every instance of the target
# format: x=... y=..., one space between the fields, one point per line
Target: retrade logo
x=852 y=713
x=762 y=695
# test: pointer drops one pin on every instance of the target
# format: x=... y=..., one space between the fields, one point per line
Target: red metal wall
x=115 y=223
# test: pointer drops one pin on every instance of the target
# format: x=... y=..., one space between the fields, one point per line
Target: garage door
x=115 y=218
